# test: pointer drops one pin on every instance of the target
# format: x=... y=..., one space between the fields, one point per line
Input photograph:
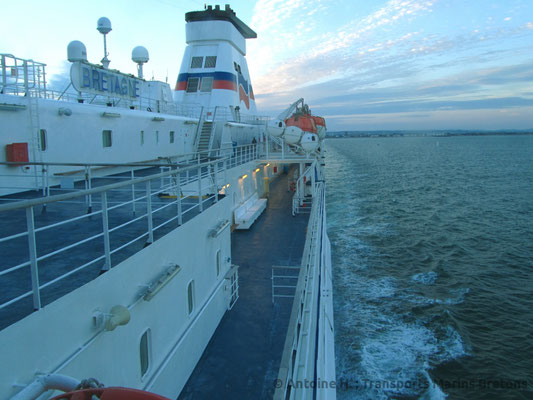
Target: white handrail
x=299 y=368
x=202 y=174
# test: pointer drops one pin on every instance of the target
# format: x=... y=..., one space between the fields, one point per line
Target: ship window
x=207 y=84
x=106 y=138
x=218 y=261
x=192 y=85
x=210 y=62
x=157 y=136
x=171 y=136
x=142 y=138
x=42 y=139
x=190 y=297
x=144 y=352
x=197 y=62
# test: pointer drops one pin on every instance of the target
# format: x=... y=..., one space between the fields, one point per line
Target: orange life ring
x=110 y=393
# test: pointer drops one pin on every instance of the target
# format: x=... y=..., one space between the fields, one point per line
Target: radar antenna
x=104 y=27
x=140 y=56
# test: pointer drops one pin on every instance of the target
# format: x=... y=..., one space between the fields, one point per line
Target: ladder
x=204 y=141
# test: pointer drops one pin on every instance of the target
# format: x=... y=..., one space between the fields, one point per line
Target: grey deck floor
x=242 y=359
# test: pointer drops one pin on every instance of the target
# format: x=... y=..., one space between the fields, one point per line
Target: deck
x=243 y=356
x=71 y=246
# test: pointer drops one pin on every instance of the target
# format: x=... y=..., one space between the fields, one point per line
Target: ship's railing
x=53 y=178
x=307 y=369
x=278 y=149
x=23 y=77
x=19 y=76
x=300 y=199
x=62 y=253
x=141 y=103
x=230 y=114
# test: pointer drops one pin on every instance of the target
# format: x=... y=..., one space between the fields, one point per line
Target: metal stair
x=204 y=140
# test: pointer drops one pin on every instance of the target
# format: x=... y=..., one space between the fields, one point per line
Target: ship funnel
x=140 y=56
x=104 y=27
x=76 y=51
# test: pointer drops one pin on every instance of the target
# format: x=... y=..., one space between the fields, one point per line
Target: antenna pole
x=104 y=27
x=105 y=60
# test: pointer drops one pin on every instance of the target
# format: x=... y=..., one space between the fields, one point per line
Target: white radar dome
x=76 y=51
x=104 y=25
x=140 y=55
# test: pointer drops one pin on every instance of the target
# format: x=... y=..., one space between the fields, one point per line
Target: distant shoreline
x=385 y=134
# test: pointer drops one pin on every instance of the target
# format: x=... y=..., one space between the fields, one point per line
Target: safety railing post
x=272 y=283
x=200 y=203
x=88 y=186
x=43 y=180
x=26 y=87
x=105 y=223
x=30 y=222
x=149 y=213
x=132 y=175
x=225 y=166
x=47 y=182
x=215 y=183
x=4 y=72
x=178 y=198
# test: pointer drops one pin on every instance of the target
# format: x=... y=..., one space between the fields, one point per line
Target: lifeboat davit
x=309 y=127
x=296 y=126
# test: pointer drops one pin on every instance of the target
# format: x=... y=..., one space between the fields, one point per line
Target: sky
x=362 y=64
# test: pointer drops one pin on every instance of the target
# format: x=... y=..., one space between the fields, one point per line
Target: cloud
x=472 y=90
x=487 y=119
x=327 y=54
x=401 y=58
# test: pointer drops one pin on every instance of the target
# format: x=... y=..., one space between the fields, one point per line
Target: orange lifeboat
x=319 y=121
x=305 y=122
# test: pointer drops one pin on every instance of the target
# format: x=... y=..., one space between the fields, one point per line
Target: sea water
x=432 y=241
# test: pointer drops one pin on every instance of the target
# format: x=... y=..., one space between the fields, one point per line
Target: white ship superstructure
x=127 y=208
